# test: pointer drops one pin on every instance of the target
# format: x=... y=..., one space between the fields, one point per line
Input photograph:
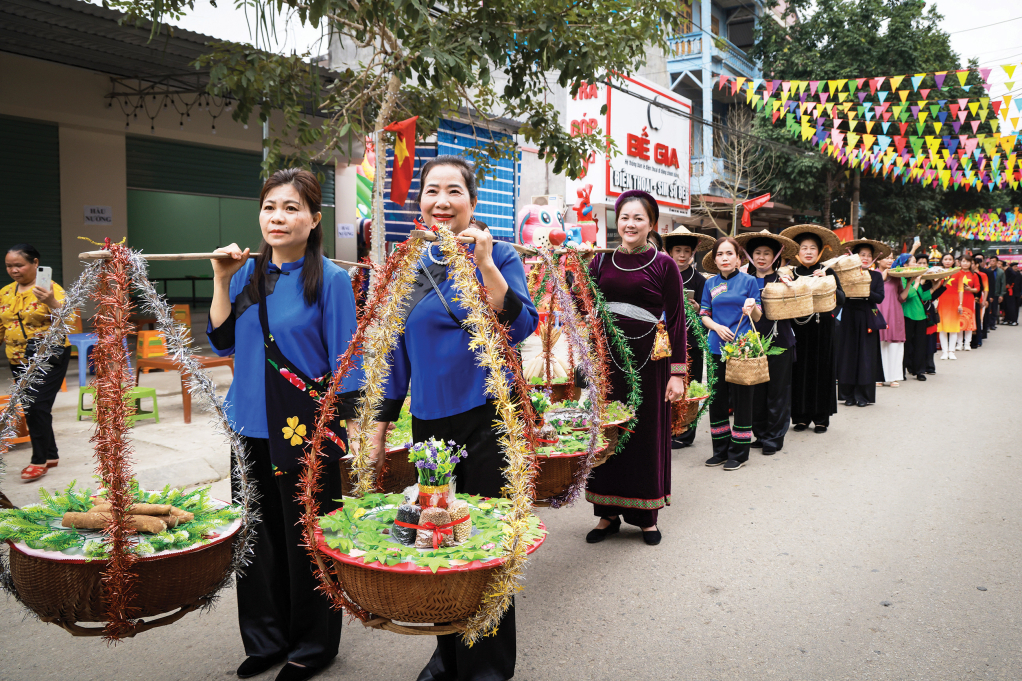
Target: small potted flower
x=435 y=461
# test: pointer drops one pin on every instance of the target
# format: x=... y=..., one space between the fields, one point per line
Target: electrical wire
x=976 y=28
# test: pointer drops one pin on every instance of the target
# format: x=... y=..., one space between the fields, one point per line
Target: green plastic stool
x=137 y=393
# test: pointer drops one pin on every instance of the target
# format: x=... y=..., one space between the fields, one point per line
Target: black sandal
x=596 y=536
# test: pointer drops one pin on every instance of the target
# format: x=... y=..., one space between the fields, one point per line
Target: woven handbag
x=752 y=371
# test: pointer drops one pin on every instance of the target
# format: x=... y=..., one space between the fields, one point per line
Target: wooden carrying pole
x=427 y=235
x=104 y=255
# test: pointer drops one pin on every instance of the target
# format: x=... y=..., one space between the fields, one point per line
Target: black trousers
x=279 y=609
x=639 y=517
x=1010 y=309
x=39 y=413
x=491 y=658
x=990 y=322
x=689 y=436
x=730 y=442
x=915 y=346
x=771 y=411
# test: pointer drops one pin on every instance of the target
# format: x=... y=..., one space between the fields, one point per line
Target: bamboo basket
x=413 y=594
x=66 y=591
x=783 y=301
x=556 y=473
x=824 y=293
x=684 y=413
x=747 y=371
x=398 y=473
x=854 y=280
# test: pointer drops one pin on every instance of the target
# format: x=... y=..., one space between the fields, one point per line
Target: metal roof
x=87 y=36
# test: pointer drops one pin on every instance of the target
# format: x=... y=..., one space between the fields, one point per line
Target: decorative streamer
x=51 y=343
x=489 y=340
x=588 y=363
x=113 y=450
x=393 y=286
x=178 y=341
x=696 y=328
x=984 y=225
x=329 y=581
x=620 y=344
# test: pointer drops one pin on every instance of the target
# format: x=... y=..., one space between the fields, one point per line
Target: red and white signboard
x=653 y=138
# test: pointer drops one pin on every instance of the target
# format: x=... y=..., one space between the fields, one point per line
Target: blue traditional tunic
x=433 y=352
x=312 y=337
x=723 y=298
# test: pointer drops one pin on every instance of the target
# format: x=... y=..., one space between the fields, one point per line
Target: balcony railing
x=684 y=47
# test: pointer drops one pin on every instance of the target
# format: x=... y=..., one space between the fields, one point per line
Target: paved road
x=854 y=555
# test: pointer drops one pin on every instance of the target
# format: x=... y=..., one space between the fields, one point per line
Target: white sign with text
x=99 y=215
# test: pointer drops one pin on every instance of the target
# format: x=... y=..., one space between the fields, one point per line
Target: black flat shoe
x=652 y=537
x=769 y=452
x=757 y=445
x=920 y=377
x=820 y=429
x=596 y=536
x=862 y=403
x=254 y=666
x=292 y=672
x=849 y=403
x=799 y=427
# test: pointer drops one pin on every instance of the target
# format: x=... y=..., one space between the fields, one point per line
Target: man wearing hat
x=682 y=245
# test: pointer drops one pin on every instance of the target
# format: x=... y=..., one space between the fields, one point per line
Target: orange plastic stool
x=19 y=423
x=150 y=344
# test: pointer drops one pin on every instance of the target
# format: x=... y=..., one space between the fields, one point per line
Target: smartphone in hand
x=44 y=277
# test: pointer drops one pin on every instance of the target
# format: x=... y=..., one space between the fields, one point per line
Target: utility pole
x=855 y=205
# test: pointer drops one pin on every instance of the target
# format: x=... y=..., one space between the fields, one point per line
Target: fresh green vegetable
x=696 y=389
x=38 y=526
x=363 y=528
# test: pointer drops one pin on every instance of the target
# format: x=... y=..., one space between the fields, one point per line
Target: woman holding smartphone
x=26 y=312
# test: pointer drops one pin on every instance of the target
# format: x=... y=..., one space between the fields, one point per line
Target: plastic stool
x=136 y=393
x=150 y=344
x=20 y=427
x=84 y=342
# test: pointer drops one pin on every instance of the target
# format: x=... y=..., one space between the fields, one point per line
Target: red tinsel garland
x=113 y=450
x=329 y=581
x=574 y=264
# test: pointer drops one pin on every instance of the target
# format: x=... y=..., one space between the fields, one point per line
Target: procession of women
x=683 y=306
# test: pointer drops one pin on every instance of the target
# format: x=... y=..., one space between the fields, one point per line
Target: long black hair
x=312 y=269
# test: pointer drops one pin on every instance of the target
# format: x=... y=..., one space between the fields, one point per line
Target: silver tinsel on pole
x=52 y=344
x=178 y=342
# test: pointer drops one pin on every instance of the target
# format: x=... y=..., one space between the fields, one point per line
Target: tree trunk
x=377 y=251
x=855 y=205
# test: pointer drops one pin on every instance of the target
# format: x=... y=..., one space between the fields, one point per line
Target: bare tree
x=744 y=165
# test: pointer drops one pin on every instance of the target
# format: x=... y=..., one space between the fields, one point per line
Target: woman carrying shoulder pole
x=449 y=401
x=286 y=316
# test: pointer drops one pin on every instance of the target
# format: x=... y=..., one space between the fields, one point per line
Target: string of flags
x=891 y=126
x=985 y=225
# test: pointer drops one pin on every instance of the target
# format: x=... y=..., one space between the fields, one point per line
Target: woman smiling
x=642 y=286
x=449 y=400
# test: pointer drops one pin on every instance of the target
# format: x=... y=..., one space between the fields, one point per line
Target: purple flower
x=452 y=443
x=408 y=445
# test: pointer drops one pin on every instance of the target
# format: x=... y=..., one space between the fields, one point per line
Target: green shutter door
x=30 y=188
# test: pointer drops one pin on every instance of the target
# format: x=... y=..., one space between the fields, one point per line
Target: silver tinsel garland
x=51 y=344
x=178 y=341
x=571 y=325
x=179 y=348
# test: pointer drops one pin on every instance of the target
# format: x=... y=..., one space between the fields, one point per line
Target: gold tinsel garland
x=381 y=338
x=486 y=339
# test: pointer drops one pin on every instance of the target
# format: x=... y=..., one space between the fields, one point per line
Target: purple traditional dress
x=640 y=288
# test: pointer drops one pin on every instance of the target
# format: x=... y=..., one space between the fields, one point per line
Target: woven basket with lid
x=824 y=293
x=784 y=301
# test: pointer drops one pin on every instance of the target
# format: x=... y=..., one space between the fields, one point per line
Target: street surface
x=888 y=548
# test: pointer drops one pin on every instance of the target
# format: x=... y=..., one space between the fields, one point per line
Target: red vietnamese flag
x=751 y=205
x=404 y=159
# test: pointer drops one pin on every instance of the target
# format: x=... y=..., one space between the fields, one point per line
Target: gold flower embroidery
x=294 y=431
